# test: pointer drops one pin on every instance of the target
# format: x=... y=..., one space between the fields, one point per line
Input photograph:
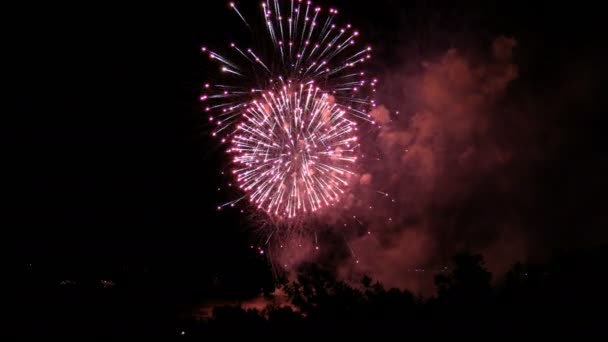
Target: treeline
x=567 y=295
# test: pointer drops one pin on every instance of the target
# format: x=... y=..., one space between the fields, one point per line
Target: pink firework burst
x=289 y=110
x=293 y=151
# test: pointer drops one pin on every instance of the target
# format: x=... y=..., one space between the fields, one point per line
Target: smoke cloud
x=471 y=152
x=438 y=178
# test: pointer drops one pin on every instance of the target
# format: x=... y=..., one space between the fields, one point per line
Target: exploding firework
x=294 y=149
x=289 y=110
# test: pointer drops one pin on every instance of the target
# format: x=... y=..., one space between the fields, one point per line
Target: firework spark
x=289 y=110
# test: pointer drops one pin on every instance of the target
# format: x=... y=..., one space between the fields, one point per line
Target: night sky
x=109 y=168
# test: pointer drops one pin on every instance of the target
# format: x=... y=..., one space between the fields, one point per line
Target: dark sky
x=107 y=160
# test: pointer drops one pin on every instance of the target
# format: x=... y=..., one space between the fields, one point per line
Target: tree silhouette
x=469 y=280
x=564 y=295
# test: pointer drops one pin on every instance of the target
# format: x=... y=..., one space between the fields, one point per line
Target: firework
x=289 y=109
x=292 y=150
